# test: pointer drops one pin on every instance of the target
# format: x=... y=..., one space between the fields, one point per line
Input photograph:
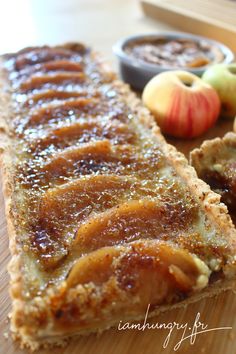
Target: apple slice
x=36 y=82
x=54 y=111
x=66 y=135
x=148 y=269
x=32 y=56
x=74 y=200
x=52 y=94
x=126 y=222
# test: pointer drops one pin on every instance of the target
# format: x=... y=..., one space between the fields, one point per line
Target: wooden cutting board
x=214 y=312
x=215 y=19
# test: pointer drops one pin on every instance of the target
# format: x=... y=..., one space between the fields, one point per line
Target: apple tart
x=215 y=163
x=104 y=217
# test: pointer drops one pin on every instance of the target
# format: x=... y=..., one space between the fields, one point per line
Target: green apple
x=222 y=77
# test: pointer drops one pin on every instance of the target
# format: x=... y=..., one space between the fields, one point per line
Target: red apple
x=183 y=104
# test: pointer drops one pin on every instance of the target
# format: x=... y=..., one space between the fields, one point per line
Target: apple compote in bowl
x=143 y=56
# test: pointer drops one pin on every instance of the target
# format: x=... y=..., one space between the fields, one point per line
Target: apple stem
x=188 y=84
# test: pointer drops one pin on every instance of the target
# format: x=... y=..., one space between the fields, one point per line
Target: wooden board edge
x=185 y=21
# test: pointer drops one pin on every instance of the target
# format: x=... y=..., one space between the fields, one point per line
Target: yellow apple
x=183 y=104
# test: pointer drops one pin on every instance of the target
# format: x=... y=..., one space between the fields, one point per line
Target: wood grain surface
x=100 y=23
x=212 y=18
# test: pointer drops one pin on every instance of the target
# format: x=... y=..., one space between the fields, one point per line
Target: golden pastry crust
x=210 y=149
x=82 y=300
x=215 y=163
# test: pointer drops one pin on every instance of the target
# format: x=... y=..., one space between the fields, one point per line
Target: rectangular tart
x=104 y=217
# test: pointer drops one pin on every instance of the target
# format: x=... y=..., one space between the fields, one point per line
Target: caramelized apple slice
x=146 y=218
x=49 y=250
x=124 y=223
x=89 y=158
x=57 y=111
x=68 y=160
x=95 y=267
x=32 y=56
x=151 y=270
x=50 y=95
x=49 y=67
x=60 y=65
x=37 y=81
x=69 y=203
x=62 y=135
x=84 y=131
